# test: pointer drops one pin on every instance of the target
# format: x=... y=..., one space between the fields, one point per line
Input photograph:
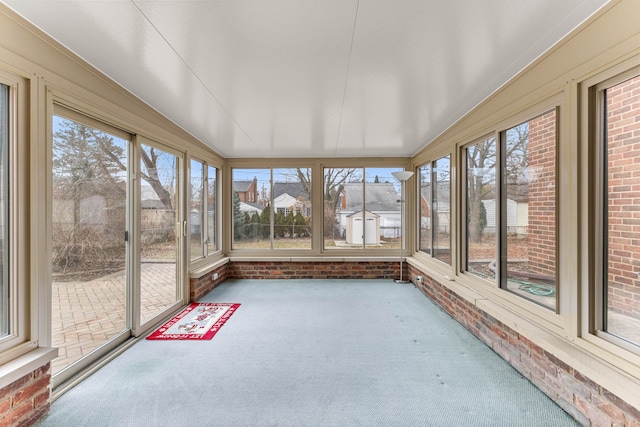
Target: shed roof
x=377 y=196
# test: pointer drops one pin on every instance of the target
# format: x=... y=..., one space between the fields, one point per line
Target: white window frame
x=464 y=242
x=608 y=347
x=207 y=255
x=21 y=334
x=432 y=182
x=597 y=323
x=501 y=214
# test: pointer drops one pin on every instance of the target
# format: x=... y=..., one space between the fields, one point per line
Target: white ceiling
x=310 y=78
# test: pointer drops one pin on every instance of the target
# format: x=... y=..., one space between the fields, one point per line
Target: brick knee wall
x=586 y=401
x=26 y=400
x=198 y=287
x=314 y=270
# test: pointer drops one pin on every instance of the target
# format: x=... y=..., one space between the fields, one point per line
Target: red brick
x=43 y=370
x=30 y=390
x=32 y=418
x=5 y=404
x=42 y=398
x=17 y=413
x=632 y=412
x=16 y=385
x=612 y=412
x=595 y=417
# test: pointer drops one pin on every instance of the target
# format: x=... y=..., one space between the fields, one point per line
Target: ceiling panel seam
x=346 y=79
x=195 y=75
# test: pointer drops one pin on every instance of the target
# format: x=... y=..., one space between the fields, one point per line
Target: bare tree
x=150 y=159
x=517 y=154
x=82 y=171
x=481 y=162
x=481 y=176
x=334 y=180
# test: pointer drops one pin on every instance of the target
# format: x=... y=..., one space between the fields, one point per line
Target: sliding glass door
x=90 y=269
x=116 y=238
x=161 y=233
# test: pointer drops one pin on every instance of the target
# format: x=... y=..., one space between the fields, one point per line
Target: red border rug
x=199 y=321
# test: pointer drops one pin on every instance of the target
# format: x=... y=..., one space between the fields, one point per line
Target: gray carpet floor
x=313 y=353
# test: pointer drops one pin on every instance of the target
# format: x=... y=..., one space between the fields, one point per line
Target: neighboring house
x=247 y=190
x=291 y=197
x=287 y=197
x=517 y=210
x=517 y=216
x=380 y=199
x=251 y=208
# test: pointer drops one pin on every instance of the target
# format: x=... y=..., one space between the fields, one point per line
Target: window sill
x=25 y=364
x=208 y=268
x=324 y=259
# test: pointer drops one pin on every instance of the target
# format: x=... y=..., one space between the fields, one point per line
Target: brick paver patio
x=86 y=314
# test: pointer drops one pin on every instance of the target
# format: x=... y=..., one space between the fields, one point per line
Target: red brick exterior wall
x=623 y=129
x=315 y=270
x=26 y=400
x=586 y=401
x=541 y=233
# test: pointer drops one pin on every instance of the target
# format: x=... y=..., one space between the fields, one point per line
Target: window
x=212 y=209
x=528 y=209
x=272 y=208
x=361 y=208
x=196 y=209
x=14 y=239
x=5 y=285
x=480 y=201
x=202 y=209
x=251 y=219
x=424 y=174
x=435 y=214
x=510 y=209
x=618 y=278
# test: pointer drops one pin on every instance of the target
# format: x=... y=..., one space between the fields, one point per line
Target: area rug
x=199 y=321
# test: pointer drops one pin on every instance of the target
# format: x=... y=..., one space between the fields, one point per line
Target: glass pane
x=382 y=224
x=159 y=248
x=425 y=208
x=481 y=208
x=196 y=204
x=88 y=246
x=251 y=208
x=343 y=208
x=623 y=210
x=212 y=208
x=4 y=212
x=441 y=210
x=530 y=198
x=292 y=204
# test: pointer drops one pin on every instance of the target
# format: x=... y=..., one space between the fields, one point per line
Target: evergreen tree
x=301 y=225
x=255 y=226
x=238 y=218
x=265 y=222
